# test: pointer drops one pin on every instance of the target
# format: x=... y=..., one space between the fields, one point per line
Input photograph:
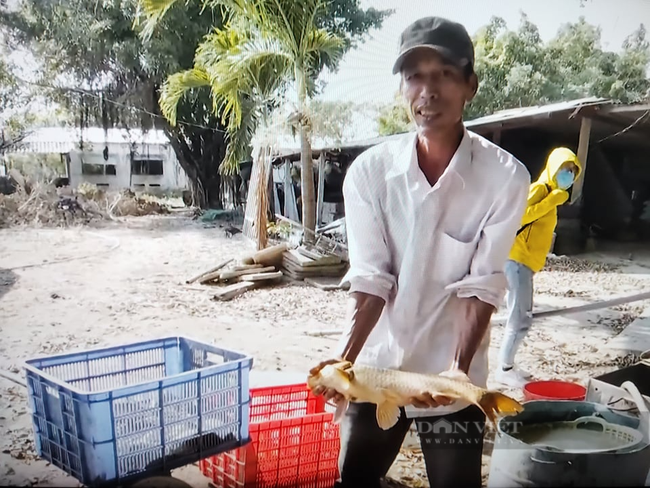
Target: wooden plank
x=496 y=136
x=334 y=272
x=320 y=194
x=252 y=202
x=319 y=259
x=298 y=259
x=327 y=283
x=228 y=275
x=310 y=253
x=243 y=267
x=232 y=291
x=270 y=255
x=209 y=272
x=583 y=150
x=309 y=269
x=263 y=276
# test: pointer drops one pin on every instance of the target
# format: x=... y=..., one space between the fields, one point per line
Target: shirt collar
x=406 y=159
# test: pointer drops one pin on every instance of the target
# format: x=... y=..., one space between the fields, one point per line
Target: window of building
x=98 y=169
x=150 y=167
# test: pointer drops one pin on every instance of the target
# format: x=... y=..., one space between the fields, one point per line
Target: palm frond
x=217 y=44
x=239 y=138
x=176 y=86
x=153 y=11
x=325 y=46
x=254 y=70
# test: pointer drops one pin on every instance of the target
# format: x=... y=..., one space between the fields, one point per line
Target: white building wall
x=119 y=155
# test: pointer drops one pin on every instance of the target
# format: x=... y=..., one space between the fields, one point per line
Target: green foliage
x=94 y=62
x=264 y=48
x=516 y=69
x=394 y=118
x=90 y=51
x=15 y=118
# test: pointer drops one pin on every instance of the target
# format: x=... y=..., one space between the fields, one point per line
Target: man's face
x=435 y=90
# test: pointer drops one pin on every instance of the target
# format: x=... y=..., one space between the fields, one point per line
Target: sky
x=364 y=75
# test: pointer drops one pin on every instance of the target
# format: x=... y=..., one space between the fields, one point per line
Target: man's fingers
x=321 y=365
x=443 y=400
x=426 y=400
x=419 y=402
x=316 y=369
x=332 y=395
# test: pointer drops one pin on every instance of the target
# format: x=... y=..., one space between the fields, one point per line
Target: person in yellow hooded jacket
x=528 y=255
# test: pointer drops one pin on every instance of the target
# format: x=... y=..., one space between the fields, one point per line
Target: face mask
x=564 y=179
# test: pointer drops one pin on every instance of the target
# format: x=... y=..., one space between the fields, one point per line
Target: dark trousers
x=452 y=446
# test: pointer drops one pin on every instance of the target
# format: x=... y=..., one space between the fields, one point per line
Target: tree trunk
x=200 y=155
x=307 y=185
x=306 y=163
x=199 y=152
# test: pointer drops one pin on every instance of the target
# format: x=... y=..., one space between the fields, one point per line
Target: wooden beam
x=321 y=189
x=287 y=182
x=628 y=108
x=583 y=150
x=496 y=136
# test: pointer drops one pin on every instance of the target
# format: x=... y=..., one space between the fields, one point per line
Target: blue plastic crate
x=119 y=414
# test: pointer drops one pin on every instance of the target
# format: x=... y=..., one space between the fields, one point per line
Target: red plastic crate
x=294 y=443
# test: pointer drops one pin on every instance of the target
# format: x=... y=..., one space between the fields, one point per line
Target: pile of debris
x=308 y=262
x=45 y=206
x=269 y=266
x=254 y=271
x=48 y=204
x=576 y=265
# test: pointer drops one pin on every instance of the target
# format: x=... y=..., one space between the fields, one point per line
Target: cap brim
x=443 y=51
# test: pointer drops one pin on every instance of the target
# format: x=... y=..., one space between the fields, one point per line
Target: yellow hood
x=555 y=160
x=540 y=218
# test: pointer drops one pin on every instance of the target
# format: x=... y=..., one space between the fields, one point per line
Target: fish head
x=333 y=376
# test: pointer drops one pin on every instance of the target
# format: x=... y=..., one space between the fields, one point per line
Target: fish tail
x=495 y=404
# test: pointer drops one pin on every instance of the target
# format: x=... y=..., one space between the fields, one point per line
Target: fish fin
x=390 y=395
x=388 y=414
x=344 y=365
x=341 y=408
x=345 y=368
x=494 y=403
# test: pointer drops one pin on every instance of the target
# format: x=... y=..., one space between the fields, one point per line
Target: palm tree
x=266 y=47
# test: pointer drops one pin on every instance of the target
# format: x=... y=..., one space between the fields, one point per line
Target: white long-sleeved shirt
x=423 y=248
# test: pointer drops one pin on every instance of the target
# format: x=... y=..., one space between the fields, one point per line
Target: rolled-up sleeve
x=368 y=250
x=486 y=279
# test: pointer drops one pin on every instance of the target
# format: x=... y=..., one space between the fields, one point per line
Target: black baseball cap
x=449 y=38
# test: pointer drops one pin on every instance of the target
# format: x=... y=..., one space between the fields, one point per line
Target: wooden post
x=287 y=187
x=321 y=189
x=583 y=149
x=496 y=137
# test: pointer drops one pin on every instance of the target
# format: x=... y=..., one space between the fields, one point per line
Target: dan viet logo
x=444 y=432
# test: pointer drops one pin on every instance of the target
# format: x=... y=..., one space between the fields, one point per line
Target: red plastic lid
x=555 y=389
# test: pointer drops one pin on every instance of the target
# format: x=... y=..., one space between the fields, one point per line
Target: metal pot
x=515 y=463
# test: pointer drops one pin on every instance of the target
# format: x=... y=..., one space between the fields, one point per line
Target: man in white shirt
x=431 y=218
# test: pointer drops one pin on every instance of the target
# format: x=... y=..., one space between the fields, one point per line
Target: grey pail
x=516 y=464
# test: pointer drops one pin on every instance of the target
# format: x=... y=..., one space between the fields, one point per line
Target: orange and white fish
x=391 y=389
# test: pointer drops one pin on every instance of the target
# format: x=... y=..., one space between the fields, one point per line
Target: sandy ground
x=122 y=282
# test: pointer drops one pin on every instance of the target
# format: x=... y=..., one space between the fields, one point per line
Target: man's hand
x=328 y=393
x=425 y=400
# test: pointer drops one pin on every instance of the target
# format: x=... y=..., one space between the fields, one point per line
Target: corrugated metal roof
x=64 y=139
x=496 y=118
x=527 y=112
